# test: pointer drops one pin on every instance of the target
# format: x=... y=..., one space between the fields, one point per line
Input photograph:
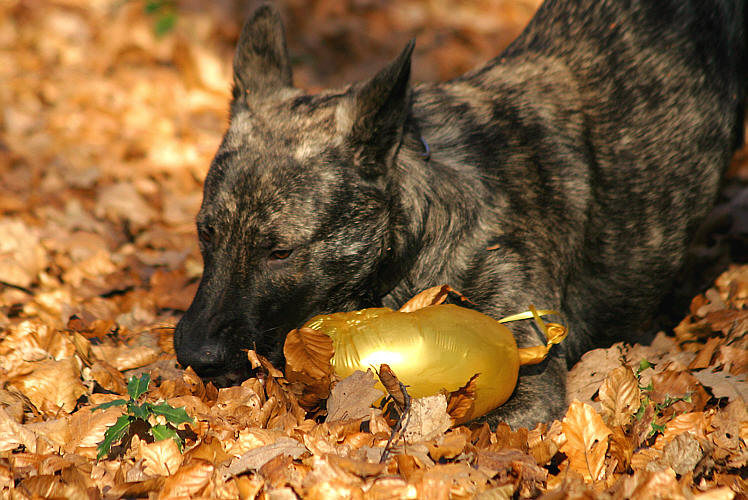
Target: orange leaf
x=460 y=403
x=619 y=396
x=309 y=352
x=587 y=441
x=189 y=480
x=429 y=297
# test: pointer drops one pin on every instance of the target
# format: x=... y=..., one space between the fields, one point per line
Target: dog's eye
x=280 y=254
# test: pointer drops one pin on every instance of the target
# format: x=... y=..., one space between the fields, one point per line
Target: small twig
x=402 y=422
x=17 y=287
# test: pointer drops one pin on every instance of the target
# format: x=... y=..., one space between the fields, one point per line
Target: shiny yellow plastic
x=430 y=349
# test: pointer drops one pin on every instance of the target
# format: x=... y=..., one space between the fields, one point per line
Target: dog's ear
x=261 y=64
x=377 y=114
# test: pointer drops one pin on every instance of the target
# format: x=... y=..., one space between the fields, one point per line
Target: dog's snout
x=206 y=360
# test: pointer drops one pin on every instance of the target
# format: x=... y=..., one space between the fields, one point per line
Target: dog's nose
x=206 y=360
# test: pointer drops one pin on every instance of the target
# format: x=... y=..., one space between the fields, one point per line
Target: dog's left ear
x=261 y=63
x=377 y=114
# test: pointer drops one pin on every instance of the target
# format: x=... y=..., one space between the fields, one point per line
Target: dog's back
x=569 y=172
x=598 y=140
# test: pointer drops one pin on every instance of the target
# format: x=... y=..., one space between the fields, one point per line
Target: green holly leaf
x=174 y=415
x=140 y=411
x=161 y=432
x=112 y=434
x=136 y=387
x=104 y=406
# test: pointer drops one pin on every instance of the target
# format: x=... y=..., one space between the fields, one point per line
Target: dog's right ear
x=261 y=64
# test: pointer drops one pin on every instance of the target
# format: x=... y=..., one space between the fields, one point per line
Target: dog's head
x=297 y=217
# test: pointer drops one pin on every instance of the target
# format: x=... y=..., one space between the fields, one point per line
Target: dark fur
x=569 y=173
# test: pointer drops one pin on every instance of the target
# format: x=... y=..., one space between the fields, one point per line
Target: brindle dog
x=570 y=172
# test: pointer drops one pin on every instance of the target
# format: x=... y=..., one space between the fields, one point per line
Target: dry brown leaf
x=682 y=453
x=723 y=493
x=52 y=385
x=704 y=356
x=696 y=423
x=188 y=481
x=308 y=351
x=619 y=396
x=426 y=419
x=447 y=446
x=352 y=397
x=734 y=359
x=460 y=403
x=160 y=458
x=308 y=356
x=210 y=450
x=507 y=438
x=251 y=438
x=13 y=434
x=621 y=448
x=358 y=467
x=587 y=441
x=724 y=385
x=392 y=384
x=256 y=458
x=646 y=485
x=136 y=489
x=52 y=435
x=108 y=377
x=49 y=486
x=125 y=357
x=429 y=297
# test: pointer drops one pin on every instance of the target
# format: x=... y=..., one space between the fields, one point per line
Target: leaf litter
x=106 y=132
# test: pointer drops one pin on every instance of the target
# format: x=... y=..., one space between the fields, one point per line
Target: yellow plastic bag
x=434 y=348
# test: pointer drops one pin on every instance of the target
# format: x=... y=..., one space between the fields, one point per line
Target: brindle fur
x=570 y=172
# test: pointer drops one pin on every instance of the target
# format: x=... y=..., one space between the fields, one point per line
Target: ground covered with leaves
x=111 y=112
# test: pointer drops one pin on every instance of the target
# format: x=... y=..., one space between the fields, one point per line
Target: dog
x=569 y=172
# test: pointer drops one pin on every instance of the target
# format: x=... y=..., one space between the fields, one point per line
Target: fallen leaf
x=619 y=396
x=447 y=446
x=188 y=481
x=257 y=457
x=13 y=434
x=682 y=453
x=429 y=297
x=461 y=403
x=160 y=458
x=703 y=358
x=52 y=385
x=426 y=419
x=723 y=384
x=587 y=441
x=352 y=397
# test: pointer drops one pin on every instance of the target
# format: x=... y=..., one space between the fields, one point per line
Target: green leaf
x=140 y=411
x=161 y=432
x=656 y=428
x=104 y=406
x=112 y=434
x=643 y=365
x=136 y=387
x=165 y=23
x=151 y=7
x=174 y=415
